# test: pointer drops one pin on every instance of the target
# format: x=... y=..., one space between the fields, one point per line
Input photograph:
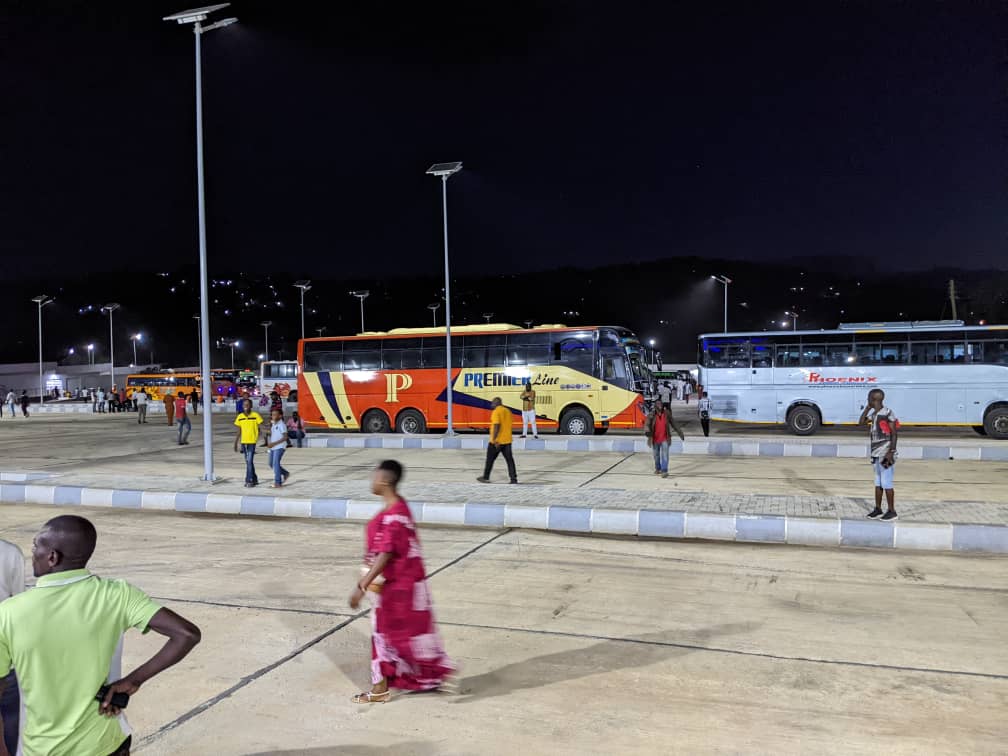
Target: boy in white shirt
x=276 y=442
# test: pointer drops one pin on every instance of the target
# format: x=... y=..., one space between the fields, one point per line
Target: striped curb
x=690 y=447
x=743 y=528
x=153 y=408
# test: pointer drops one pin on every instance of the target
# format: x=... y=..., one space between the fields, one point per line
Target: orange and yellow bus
x=587 y=379
x=158 y=384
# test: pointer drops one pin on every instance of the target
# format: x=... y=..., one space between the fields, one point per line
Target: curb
x=690 y=447
x=775 y=529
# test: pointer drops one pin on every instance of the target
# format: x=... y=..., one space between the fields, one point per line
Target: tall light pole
x=433 y=307
x=362 y=294
x=793 y=314
x=41 y=300
x=304 y=286
x=135 y=338
x=266 y=324
x=488 y=316
x=444 y=171
x=195 y=17
x=110 y=308
x=90 y=354
x=232 y=343
x=320 y=331
x=724 y=280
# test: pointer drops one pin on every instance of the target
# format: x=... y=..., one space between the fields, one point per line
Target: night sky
x=591 y=133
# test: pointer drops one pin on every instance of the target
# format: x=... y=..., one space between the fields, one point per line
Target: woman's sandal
x=369 y=697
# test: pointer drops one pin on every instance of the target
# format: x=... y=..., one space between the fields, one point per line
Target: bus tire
x=996 y=421
x=577 y=422
x=410 y=422
x=375 y=421
x=980 y=430
x=803 y=420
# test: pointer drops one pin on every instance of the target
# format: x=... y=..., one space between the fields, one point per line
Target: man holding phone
x=64 y=638
x=882 y=450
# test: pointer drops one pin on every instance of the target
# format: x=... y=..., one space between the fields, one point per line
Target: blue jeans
x=183 y=422
x=296 y=436
x=660 y=456
x=250 y=474
x=10 y=707
x=275 y=455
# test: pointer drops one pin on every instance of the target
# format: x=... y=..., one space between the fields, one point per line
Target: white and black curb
x=779 y=529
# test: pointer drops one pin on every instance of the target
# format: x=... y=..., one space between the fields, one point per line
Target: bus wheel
x=577 y=422
x=803 y=420
x=411 y=422
x=996 y=422
x=375 y=421
x=980 y=430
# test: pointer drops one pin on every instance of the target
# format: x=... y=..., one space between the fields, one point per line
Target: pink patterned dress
x=406 y=648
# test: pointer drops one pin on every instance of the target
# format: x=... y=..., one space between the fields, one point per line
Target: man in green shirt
x=64 y=637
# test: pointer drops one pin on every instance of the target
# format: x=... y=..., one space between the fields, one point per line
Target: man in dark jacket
x=659 y=427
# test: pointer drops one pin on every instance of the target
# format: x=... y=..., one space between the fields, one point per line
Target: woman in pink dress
x=406 y=648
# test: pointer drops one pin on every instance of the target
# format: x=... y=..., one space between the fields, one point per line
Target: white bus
x=280 y=376
x=933 y=373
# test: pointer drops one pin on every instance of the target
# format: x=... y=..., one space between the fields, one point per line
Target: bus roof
x=849 y=328
x=461 y=330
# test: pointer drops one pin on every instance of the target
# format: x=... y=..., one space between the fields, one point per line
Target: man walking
x=248 y=424
x=12 y=582
x=64 y=638
x=500 y=441
x=659 y=427
x=10 y=401
x=24 y=402
x=140 y=397
x=194 y=398
x=703 y=408
x=182 y=418
x=882 y=425
x=665 y=393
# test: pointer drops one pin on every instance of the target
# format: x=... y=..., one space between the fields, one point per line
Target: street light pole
x=199 y=344
x=41 y=300
x=110 y=308
x=433 y=307
x=793 y=314
x=135 y=338
x=195 y=17
x=266 y=324
x=361 y=295
x=304 y=286
x=445 y=170
x=724 y=280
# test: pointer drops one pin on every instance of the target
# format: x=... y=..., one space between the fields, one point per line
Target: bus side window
x=762 y=356
x=788 y=355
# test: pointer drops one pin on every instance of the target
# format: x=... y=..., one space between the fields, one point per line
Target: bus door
x=729 y=374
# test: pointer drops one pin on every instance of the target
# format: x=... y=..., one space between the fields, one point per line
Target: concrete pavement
x=567 y=644
x=112 y=463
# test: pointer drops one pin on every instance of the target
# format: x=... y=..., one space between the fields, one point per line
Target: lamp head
x=444 y=169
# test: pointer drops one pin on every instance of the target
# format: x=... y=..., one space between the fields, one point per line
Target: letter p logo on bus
x=396 y=382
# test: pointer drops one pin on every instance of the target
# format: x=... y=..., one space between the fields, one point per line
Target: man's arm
x=864 y=415
x=892 y=436
x=237 y=439
x=182 y=636
x=494 y=430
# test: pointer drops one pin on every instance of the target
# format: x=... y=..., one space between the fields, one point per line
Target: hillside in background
x=670 y=301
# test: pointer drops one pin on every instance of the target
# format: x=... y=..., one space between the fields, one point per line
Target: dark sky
x=591 y=133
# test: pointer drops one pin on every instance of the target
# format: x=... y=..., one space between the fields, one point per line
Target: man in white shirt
x=12 y=581
x=703 y=408
x=140 y=397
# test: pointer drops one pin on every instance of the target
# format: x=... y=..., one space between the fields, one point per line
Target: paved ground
x=568 y=645
x=117 y=453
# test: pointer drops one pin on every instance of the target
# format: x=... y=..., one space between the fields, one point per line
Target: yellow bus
x=223 y=384
x=587 y=379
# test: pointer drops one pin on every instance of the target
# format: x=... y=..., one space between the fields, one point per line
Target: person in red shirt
x=182 y=418
x=659 y=428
